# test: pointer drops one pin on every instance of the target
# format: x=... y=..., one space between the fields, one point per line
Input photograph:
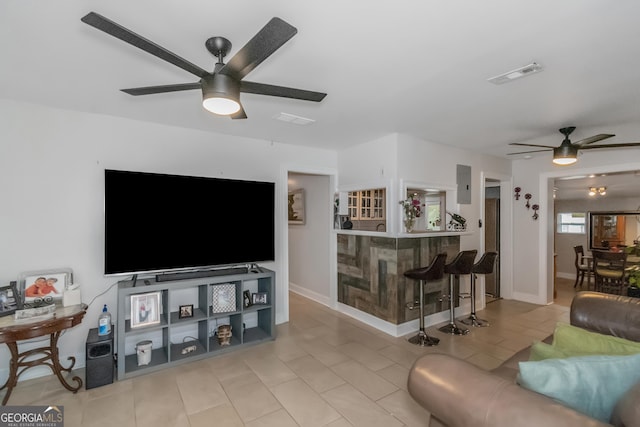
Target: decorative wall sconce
x=535 y=211
x=528 y=197
x=597 y=190
x=517 y=190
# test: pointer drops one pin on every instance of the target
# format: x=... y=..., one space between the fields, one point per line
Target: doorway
x=310 y=243
x=492 y=236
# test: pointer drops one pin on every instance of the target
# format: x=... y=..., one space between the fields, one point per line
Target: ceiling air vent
x=527 y=70
x=296 y=120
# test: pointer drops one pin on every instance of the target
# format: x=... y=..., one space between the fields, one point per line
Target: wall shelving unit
x=217 y=299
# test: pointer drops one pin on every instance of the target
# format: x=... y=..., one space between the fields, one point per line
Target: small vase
x=408 y=224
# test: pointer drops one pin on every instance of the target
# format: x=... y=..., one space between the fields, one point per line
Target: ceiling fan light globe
x=564 y=161
x=221 y=106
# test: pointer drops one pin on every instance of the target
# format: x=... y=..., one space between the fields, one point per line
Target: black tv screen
x=158 y=223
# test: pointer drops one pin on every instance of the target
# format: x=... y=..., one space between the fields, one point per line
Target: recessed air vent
x=527 y=70
x=296 y=120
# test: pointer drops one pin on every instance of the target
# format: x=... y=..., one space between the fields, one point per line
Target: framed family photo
x=185 y=311
x=9 y=299
x=259 y=298
x=145 y=309
x=44 y=287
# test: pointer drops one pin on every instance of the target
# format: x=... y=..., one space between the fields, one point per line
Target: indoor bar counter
x=371 y=270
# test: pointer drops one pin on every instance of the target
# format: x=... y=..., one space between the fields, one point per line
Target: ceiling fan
x=220 y=88
x=567 y=152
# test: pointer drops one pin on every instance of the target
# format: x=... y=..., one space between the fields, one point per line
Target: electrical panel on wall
x=463 y=179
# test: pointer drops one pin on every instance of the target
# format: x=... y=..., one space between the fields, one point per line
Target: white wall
x=309 y=243
x=52 y=187
x=429 y=163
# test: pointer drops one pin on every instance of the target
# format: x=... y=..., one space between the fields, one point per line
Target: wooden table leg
x=58 y=369
x=12 y=381
x=50 y=358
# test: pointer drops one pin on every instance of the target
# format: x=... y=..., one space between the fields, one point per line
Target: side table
x=11 y=332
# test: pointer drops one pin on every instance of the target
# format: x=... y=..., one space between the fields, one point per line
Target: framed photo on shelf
x=246 y=299
x=10 y=300
x=44 y=287
x=296 y=206
x=259 y=298
x=185 y=311
x=223 y=298
x=145 y=309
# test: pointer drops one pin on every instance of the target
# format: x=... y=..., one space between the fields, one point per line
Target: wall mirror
x=433 y=212
x=615 y=228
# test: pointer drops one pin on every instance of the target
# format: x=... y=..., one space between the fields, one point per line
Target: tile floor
x=324 y=369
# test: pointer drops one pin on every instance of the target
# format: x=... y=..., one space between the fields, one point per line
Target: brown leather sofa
x=459 y=394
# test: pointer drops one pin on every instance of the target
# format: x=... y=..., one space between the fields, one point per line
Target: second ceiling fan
x=567 y=152
x=220 y=88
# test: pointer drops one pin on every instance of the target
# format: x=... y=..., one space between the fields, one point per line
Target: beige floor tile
x=402 y=406
x=396 y=375
x=305 y=405
x=113 y=410
x=269 y=368
x=358 y=409
x=253 y=401
x=367 y=381
x=341 y=422
x=223 y=415
x=319 y=377
x=280 y=418
x=200 y=390
x=364 y=355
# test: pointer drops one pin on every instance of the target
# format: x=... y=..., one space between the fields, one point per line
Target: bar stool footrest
x=424 y=340
x=453 y=329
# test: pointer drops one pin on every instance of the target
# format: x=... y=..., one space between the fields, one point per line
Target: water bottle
x=104 y=322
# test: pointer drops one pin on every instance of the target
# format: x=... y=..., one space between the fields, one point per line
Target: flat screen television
x=162 y=223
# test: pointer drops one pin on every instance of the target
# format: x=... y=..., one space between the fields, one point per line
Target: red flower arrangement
x=517 y=190
x=528 y=197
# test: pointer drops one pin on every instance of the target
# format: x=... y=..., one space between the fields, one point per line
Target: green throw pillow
x=542 y=351
x=574 y=341
x=589 y=384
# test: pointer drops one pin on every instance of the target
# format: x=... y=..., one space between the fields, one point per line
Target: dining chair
x=609 y=271
x=583 y=267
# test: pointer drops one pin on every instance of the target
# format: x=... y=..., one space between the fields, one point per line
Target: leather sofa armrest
x=460 y=394
x=627 y=411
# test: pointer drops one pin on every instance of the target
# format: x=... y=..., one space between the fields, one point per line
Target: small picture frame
x=10 y=300
x=185 y=311
x=44 y=287
x=296 y=206
x=246 y=299
x=145 y=309
x=259 y=298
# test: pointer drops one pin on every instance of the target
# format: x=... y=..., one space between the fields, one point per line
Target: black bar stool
x=434 y=271
x=461 y=264
x=484 y=266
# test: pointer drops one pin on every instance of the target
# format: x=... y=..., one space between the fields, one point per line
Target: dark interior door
x=492 y=243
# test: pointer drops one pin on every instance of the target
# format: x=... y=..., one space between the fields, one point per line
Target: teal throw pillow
x=591 y=385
